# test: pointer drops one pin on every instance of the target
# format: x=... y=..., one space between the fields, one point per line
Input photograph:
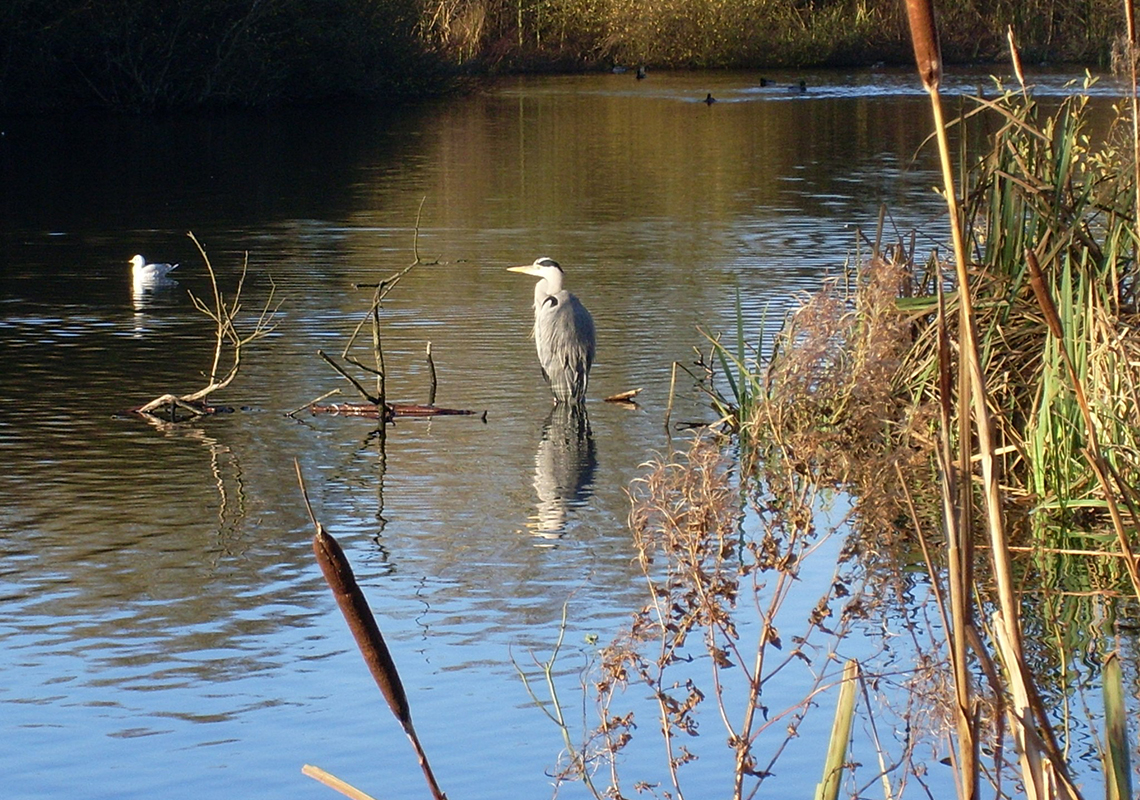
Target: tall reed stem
x=928 y=57
x=983 y=424
x=1130 y=20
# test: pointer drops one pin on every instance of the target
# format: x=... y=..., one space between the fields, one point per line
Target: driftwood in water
x=224 y=313
x=372 y=410
x=623 y=397
x=168 y=408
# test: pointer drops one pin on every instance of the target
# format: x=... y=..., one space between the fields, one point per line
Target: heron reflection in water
x=564 y=466
x=563 y=332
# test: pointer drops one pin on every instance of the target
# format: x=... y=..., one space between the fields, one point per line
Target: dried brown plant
x=831 y=380
x=834 y=407
x=713 y=630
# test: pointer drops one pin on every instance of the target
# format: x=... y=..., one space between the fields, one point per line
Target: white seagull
x=144 y=273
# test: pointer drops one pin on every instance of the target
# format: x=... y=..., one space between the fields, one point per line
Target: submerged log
x=625 y=399
x=372 y=410
x=169 y=408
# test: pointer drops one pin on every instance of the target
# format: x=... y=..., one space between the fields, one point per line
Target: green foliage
x=1045 y=186
x=742 y=372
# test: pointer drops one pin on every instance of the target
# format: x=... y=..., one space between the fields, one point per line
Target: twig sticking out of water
x=431 y=370
x=672 y=394
x=312 y=402
x=338 y=574
x=373 y=315
x=224 y=313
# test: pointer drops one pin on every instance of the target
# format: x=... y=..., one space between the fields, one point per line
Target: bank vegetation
x=146 y=57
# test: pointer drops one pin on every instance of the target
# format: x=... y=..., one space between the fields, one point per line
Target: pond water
x=164 y=629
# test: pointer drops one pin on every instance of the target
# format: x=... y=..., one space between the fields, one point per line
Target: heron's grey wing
x=584 y=322
x=564 y=337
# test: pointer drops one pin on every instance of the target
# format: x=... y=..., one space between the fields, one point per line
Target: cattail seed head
x=924 y=35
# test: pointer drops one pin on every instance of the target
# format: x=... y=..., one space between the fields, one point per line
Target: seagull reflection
x=563 y=468
x=148 y=294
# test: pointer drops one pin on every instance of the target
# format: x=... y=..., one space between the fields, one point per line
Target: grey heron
x=563 y=332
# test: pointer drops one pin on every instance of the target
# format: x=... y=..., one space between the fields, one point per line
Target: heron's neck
x=546 y=287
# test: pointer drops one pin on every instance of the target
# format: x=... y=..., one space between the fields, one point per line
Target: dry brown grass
x=834 y=407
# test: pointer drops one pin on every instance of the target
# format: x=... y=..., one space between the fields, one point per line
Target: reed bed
x=983 y=411
x=1046 y=206
x=572 y=34
x=853 y=383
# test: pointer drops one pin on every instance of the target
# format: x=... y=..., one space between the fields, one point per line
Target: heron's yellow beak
x=526 y=269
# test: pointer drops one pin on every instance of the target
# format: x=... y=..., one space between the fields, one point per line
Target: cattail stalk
x=928 y=59
x=339 y=576
x=836 y=762
x=1118 y=775
x=928 y=56
x=354 y=606
x=1130 y=24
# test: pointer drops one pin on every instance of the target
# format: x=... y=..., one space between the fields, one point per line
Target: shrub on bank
x=529 y=34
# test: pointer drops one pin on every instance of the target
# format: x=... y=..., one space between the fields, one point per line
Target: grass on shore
x=146 y=58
